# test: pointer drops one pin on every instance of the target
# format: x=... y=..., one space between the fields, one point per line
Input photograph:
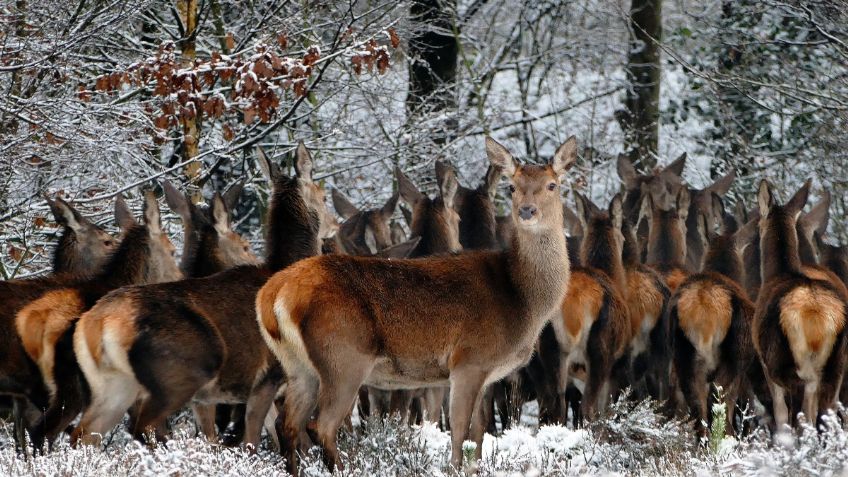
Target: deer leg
x=336 y=397
x=258 y=404
x=433 y=398
x=109 y=403
x=811 y=400
x=204 y=415
x=400 y=402
x=299 y=401
x=483 y=413
x=465 y=396
x=364 y=405
x=270 y=425
x=781 y=411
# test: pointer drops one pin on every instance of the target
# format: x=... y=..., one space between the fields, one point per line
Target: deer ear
x=616 y=212
x=408 y=192
x=448 y=187
x=442 y=171
x=342 y=205
x=490 y=182
x=176 y=201
x=682 y=203
x=407 y=215
x=646 y=211
x=765 y=198
x=220 y=215
x=676 y=167
x=269 y=170
x=703 y=225
x=500 y=157
x=583 y=209
x=303 y=162
x=817 y=218
x=565 y=156
x=231 y=197
x=627 y=172
x=722 y=184
x=401 y=250
x=799 y=200
x=388 y=209
x=123 y=217
x=717 y=206
x=572 y=221
x=66 y=215
x=152 y=216
x=745 y=235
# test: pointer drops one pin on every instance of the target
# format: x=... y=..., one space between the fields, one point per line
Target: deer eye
x=107 y=243
x=552 y=186
x=511 y=188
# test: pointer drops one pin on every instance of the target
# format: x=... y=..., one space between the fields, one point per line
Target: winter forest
x=119 y=107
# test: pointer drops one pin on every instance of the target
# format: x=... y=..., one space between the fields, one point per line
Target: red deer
x=196 y=340
x=82 y=250
x=211 y=245
x=662 y=184
x=436 y=223
x=593 y=328
x=145 y=255
x=712 y=315
x=799 y=323
x=367 y=230
x=83 y=247
x=465 y=320
x=650 y=346
x=700 y=200
x=834 y=258
x=667 y=236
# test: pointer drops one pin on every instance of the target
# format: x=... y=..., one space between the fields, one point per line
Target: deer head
x=83 y=247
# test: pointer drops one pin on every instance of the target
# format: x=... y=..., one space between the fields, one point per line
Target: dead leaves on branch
x=230 y=88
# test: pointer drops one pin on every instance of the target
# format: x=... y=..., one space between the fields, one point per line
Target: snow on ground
x=631 y=440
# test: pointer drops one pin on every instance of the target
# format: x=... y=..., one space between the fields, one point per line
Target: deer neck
x=722 y=258
x=779 y=250
x=539 y=269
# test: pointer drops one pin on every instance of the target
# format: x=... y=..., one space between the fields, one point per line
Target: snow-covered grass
x=632 y=439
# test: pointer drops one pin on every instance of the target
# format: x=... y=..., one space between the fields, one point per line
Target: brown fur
x=798 y=329
x=200 y=324
x=145 y=255
x=465 y=320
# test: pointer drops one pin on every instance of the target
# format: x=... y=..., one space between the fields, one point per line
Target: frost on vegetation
x=630 y=439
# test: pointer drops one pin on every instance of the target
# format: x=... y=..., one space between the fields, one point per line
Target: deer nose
x=527 y=211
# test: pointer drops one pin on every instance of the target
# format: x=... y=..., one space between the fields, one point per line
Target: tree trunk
x=641 y=119
x=434 y=52
x=188 y=10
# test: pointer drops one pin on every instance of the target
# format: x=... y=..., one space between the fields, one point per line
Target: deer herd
x=665 y=291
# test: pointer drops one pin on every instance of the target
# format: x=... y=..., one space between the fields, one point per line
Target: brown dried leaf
x=394 y=38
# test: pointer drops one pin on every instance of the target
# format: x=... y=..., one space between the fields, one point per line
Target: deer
x=196 y=340
x=593 y=327
x=833 y=257
x=701 y=201
x=667 y=236
x=712 y=315
x=82 y=250
x=436 y=223
x=210 y=243
x=145 y=255
x=799 y=321
x=463 y=320
x=663 y=184
x=83 y=246
x=368 y=231
x=647 y=297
